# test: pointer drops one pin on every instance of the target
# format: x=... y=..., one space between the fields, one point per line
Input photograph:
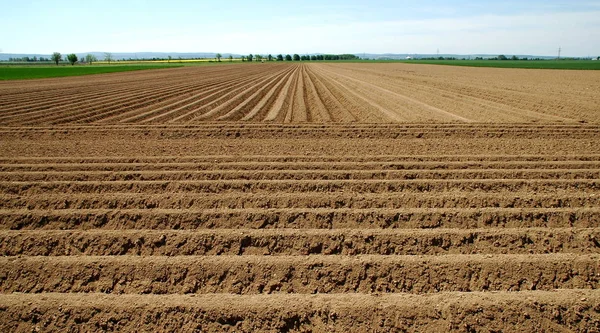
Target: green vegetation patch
x=41 y=72
x=533 y=64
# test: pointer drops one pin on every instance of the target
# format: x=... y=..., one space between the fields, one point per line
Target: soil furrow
x=568 y=310
x=317 y=110
x=254 y=102
x=118 y=99
x=413 y=110
x=458 y=199
x=270 y=99
x=297 y=242
x=356 y=106
x=230 y=100
x=303 y=162
x=248 y=164
x=317 y=186
x=315 y=218
x=335 y=109
x=301 y=197
x=181 y=175
x=284 y=100
x=298 y=111
x=206 y=96
x=365 y=96
x=176 y=106
x=300 y=275
x=479 y=131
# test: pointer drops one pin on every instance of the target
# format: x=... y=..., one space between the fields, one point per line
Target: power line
x=559 y=49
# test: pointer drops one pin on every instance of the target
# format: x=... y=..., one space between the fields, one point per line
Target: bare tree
x=108 y=57
x=56 y=57
x=90 y=58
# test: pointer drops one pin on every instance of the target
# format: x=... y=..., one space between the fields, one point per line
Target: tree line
x=297 y=57
x=57 y=57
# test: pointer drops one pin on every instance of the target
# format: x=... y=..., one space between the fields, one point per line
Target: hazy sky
x=536 y=27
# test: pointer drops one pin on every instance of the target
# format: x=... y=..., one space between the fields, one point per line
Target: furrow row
x=165 y=99
x=100 y=94
x=317 y=186
x=258 y=102
x=292 y=274
x=315 y=218
x=247 y=165
x=119 y=102
x=371 y=161
x=299 y=242
x=459 y=199
x=85 y=106
x=197 y=175
x=565 y=310
x=166 y=111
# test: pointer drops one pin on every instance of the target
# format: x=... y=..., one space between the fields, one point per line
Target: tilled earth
x=306 y=93
x=308 y=227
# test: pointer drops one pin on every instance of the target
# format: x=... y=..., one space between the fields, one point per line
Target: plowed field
x=397 y=198
x=316 y=93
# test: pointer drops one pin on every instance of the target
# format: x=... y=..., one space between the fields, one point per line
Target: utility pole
x=559 y=49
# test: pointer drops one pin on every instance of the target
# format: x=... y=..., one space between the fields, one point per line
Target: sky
x=533 y=27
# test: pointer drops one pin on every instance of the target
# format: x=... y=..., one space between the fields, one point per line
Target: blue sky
x=305 y=26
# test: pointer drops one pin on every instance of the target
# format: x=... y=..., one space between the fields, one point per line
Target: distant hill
x=126 y=55
x=210 y=55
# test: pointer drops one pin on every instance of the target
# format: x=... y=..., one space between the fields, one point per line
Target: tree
x=230 y=58
x=90 y=58
x=258 y=57
x=288 y=57
x=514 y=58
x=296 y=57
x=270 y=57
x=280 y=57
x=502 y=57
x=249 y=57
x=218 y=56
x=56 y=57
x=72 y=58
x=169 y=60
x=313 y=57
x=108 y=57
x=243 y=58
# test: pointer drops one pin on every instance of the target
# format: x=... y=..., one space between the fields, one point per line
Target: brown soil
x=544 y=311
x=315 y=93
x=126 y=206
